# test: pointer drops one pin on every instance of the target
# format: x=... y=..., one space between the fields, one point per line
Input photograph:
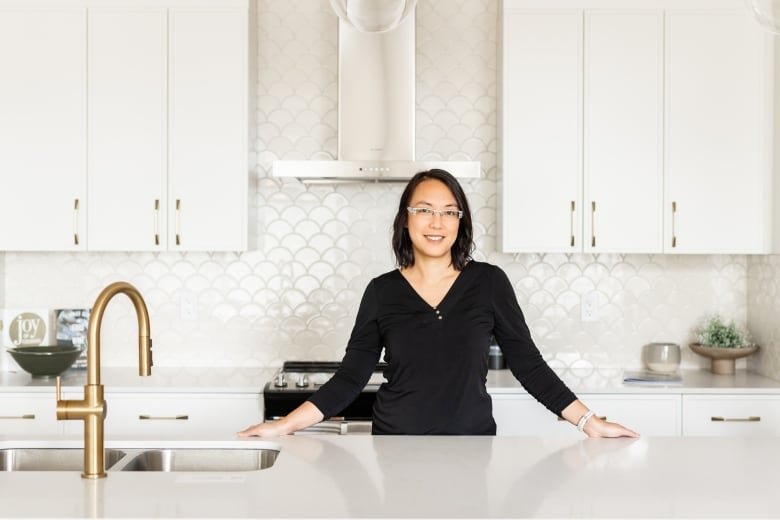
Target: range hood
x=376 y=113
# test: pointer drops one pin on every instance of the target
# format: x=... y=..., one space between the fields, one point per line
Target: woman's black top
x=438 y=357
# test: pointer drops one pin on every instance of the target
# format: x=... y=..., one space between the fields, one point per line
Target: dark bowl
x=45 y=361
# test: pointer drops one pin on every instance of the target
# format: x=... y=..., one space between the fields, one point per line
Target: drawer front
x=655 y=415
x=731 y=415
x=21 y=414
x=180 y=415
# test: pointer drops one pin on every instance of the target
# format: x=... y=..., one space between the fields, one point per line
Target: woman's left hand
x=596 y=427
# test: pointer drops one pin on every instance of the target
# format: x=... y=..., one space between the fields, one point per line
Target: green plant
x=716 y=333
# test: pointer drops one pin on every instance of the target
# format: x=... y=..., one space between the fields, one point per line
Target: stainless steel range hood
x=376 y=108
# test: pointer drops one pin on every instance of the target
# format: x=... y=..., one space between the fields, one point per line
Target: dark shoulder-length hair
x=402 y=244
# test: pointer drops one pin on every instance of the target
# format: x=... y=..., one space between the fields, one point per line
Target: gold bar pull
x=76 y=221
x=571 y=225
x=157 y=222
x=752 y=418
x=593 y=223
x=178 y=222
x=25 y=416
x=674 y=217
x=145 y=417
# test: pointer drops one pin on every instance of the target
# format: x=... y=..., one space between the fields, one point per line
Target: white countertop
x=429 y=477
x=252 y=380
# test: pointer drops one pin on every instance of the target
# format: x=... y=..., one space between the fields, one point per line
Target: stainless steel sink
x=179 y=459
x=200 y=460
x=50 y=459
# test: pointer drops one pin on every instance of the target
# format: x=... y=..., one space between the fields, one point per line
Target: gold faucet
x=92 y=408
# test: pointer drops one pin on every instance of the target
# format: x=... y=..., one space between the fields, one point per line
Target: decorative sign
x=26 y=327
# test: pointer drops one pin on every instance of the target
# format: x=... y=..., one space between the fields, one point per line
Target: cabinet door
x=655 y=415
x=42 y=129
x=623 y=125
x=21 y=414
x=127 y=129
x=716 y=112
x=208 y=82
x=731 y=415
x=541 y=167
x=181 y=414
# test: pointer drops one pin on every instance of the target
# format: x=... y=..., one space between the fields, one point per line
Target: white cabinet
x=25 y=414
x=177 y=414
x=127 y=129
x=731 y=415
x=623 y=125
x=169 y=128
x=208 y=129
x=647 y=414
x=43 y=186
x=581 y=160
x=124 y=126
x=718 y=126
x=639 y=127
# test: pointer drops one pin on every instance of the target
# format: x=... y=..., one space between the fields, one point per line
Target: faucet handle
x=58 y=389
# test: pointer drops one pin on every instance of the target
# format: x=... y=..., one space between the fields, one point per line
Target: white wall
x=296 y=295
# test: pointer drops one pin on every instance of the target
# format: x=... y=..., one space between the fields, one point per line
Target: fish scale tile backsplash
x=295 y=296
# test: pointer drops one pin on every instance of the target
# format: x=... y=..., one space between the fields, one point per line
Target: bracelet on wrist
x=581 y=423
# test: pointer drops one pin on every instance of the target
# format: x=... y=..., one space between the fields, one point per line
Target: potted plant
x=723 y=343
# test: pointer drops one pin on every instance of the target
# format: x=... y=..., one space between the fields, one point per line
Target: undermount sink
x=50 y=459
x=180 y=459
x=201 y=460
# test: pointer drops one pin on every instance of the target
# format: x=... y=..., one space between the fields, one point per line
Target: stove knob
x=302 y=382
x=280 y=382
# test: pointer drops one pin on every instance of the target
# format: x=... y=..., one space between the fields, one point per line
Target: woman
x=434 y=316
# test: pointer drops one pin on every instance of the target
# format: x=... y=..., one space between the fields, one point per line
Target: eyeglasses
x=446 y=214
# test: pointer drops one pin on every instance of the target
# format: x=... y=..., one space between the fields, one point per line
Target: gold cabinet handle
x=25 y=416
x=157 y=222
x=145 y=417
x=674 y=216
x=593 y=223
x=178 y=222
x=76 y=221
x=752 y=418
x=571 y=225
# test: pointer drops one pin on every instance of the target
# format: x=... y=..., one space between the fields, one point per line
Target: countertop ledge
x=245 y=380
x=428 y=477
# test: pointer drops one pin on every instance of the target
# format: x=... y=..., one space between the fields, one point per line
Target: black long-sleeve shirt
x=438 y=357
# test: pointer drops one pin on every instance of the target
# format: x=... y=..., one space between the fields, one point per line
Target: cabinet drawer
x=731 y=415
x=179 y=415
x=652 y=415
x=22 y=414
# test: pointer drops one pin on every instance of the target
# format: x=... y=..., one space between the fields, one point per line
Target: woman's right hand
x=266 y=429
x=302 y=417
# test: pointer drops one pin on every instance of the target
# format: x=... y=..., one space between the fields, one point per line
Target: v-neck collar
x=447 y=294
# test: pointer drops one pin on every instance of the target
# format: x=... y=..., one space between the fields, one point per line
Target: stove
x=296 y=381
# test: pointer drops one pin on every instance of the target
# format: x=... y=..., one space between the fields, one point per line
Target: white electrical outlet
x=189 y=307
x=590 y=306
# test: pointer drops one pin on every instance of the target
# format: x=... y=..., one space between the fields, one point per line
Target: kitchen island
x=425 y=477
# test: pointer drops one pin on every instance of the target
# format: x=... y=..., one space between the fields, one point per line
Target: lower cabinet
x=647 y=414
x=22 y=414
x=177 y=414
x=731 y=415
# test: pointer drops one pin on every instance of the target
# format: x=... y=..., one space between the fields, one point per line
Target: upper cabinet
x=620 y=120
x=164 y=148
x=43 y=183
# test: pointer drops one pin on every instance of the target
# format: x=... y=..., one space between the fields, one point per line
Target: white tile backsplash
x=296 y=295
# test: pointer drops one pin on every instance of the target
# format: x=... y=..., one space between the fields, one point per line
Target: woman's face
x=432 y=236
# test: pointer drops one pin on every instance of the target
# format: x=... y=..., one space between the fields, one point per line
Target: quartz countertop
x=428 y=477
x=252 y=380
